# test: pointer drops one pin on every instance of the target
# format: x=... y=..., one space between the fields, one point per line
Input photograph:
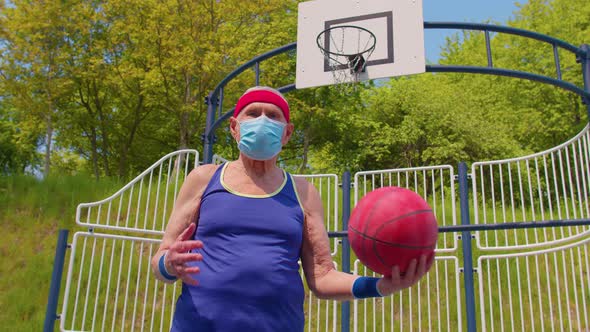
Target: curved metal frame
x=582 y=53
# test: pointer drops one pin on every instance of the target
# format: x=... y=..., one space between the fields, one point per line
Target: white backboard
x=397 y=25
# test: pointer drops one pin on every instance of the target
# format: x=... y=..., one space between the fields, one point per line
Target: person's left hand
x=396 y=282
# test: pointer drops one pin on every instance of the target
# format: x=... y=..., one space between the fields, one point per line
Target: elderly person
x=238 y=230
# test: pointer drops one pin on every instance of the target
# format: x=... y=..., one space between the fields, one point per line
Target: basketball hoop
x=346 y=50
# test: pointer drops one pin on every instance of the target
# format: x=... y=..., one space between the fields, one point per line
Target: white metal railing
x=543 y=290
x=549 y=185
x=320 y=315
x=327 y=186
x=434 y=304
x=109 y=286
x=218 y=160
x=436 y=184
x=144 y=204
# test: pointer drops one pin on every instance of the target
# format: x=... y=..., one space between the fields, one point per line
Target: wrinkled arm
x=180 y=228
x=322 y=278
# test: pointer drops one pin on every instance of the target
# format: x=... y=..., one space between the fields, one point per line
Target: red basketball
x=391 y=226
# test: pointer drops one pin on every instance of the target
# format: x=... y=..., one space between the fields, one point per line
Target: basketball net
x=346 y=51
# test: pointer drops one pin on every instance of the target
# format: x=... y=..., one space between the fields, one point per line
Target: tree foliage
x=109 y=87
x=123 y=82
x=434 y=119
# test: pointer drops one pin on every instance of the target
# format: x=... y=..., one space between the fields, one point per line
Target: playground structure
x=513 y=251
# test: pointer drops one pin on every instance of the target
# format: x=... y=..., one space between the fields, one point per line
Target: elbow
x=320 y=287
x=319 y=293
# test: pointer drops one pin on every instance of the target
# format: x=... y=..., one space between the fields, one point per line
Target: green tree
x=127 y=79
x=418 y=120
x=33 y=42
x=541 y=116
x=18 y=144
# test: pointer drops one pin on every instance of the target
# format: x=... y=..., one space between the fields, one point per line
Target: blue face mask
x=260 y=139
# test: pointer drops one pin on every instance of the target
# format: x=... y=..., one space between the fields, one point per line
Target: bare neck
x=257 y=168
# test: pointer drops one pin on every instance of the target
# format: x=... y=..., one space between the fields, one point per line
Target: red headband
x=262 y=96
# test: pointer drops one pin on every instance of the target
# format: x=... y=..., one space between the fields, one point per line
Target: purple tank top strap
x=215 y=181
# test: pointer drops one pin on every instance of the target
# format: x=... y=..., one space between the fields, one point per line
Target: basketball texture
x=391 y=226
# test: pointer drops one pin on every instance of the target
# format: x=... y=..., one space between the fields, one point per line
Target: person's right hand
x=178 y=255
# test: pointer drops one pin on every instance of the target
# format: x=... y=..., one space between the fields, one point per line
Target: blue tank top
x=249 y=279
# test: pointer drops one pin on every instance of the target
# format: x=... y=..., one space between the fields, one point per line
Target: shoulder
x=194 y=186
x=308 y=194
x=200 y=176
x=203 y=172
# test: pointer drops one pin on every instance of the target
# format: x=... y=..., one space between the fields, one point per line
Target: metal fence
x=144 y=204
x=521 y=279
x=110 y=287
x=551 y=185
x=536 y=290
x=436 y=296
x=534 y=279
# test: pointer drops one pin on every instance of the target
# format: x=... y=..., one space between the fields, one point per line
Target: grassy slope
x=31 y=213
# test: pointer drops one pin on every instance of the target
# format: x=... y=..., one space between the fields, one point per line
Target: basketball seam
x=399 y=244
x=393 y=243
x=395 y=219
x=413 y=213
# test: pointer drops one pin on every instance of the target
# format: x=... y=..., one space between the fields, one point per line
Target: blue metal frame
x=215 y=98
x=215 y=101
x=509 y=73
x=504 y=29
x=54 y=287
x=498 y=226
x=469 y=286
x=346 y=184
x=584 y=59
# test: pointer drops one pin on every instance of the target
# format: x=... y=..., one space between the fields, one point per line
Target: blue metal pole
x=345 y=321
x=557 y=62
x=208 y=135
x=257 y=73
x=502 y=29
x=508 y=73
x=489 y=50
x=467 y=253
x=58 y=267
x=584 y=58
x=498 y=226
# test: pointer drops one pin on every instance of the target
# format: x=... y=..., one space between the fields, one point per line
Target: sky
x=472 y=11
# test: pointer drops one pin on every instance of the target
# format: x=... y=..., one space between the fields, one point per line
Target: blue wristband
x=364 y=287
x=163 y=271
